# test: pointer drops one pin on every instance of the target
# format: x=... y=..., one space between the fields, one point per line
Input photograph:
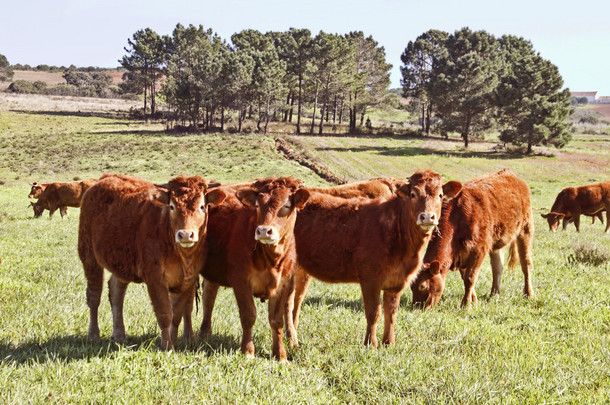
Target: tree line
x=472 y=82
x=270 y=76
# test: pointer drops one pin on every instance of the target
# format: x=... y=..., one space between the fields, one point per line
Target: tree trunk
x=466 y=133
x=291 y=109
x=315 y=106
x=300 y=104
x=428 y=118
x=423 y=117
x=287 y=104
x=258 y=122
x=324 y=109
x=267 y=115
x=362 y=116
x=222 y=119
x=341 y=113
x=145 y=97
x=241 y=118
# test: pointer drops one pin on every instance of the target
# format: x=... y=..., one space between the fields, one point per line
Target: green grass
x=552 y=348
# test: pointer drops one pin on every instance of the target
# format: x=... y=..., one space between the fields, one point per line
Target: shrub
x=22 y=87
x=589 y=253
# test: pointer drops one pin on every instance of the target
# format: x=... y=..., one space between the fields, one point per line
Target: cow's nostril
x=432 y=217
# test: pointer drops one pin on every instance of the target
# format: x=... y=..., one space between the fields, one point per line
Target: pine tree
x=534 y=109
x=465 y=81
x=6 y=71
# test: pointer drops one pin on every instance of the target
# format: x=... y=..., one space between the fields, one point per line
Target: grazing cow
x=377 y=243
x=571 y=202
x=59 y=195
x=251 y=248
x=145 y=233
x=490 y=213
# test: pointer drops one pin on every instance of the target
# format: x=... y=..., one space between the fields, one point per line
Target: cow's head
x=553 y=219
x=187 y=199
x=425 y=191
x=276 y=202
x=36 y=190
x=429 y=285
x=37 y=209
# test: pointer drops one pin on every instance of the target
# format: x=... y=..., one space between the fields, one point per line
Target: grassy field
x=554 y=348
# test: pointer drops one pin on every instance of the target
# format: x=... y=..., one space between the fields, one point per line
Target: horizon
x=569 y=37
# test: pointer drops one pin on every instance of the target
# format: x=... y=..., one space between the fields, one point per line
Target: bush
x=589 y=254
x=22 y=87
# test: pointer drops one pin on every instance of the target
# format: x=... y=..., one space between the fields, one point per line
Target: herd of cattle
x=267 y=238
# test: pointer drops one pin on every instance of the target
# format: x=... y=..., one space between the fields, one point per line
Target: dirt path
x=284 y=148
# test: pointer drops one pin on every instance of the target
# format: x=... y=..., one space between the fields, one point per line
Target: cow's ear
x=434 y=268
x=300 y=198
x=544 y=215
x=451 y=189
x=560 y=216
x=159 y=196
x=247 y=196
x=404 y=190
x=216 y=197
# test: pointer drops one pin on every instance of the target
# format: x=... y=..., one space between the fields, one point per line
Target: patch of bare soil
x=601 y=108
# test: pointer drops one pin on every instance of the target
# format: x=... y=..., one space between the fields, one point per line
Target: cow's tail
x=513 y=256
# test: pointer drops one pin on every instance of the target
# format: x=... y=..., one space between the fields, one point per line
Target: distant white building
x=592 y=96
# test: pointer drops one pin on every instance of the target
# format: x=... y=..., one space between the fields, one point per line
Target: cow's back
x=490 y=211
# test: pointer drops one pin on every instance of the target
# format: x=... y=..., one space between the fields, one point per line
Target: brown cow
x=36 y=189
x=571 y=202
x=380 y=187
x=377 y=243
x=145 y=233
x=490 y=213
x=251 y=248
x=59 y=195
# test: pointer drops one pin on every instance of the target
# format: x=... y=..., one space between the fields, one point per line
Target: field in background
x=553 y=348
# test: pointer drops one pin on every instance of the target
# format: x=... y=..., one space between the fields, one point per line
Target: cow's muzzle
x=186 y=238
x=427 y=221
x=266 y=234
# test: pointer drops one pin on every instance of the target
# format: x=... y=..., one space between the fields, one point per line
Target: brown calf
x=145 y=233
x=251 y=248
x=490 y=213
x=571 y=202
x=377 y=243
x=52 y=196
x=383 y=188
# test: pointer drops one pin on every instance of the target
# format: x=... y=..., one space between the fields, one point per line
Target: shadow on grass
x=419 y=151
x=74 y=348
x=99 y=114
x=330 y=302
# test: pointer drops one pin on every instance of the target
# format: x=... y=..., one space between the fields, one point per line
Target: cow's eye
x=412 y=195
x=171 y=207
x=202 y=208
x=440 y=196
x=285 y=210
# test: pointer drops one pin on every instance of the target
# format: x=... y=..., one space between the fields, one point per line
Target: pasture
x=552 y=348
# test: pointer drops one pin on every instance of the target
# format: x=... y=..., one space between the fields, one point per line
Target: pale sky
x=574 y=36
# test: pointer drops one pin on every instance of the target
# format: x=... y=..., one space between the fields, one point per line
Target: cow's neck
x=272 y=255
x=441 y=247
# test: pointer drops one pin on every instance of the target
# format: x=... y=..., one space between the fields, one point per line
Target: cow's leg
x=247 y=316
x=51 y=211
x=302 y=280
x=179 y=303
x=116 y=293
x=565 y=222
x=607 y=217
x=159 y=297
x=577 y=221
x=210 y=290
x=291 y=331
x=524 y=247
x=277 y=307
x=372 y=310
x=187 y=316
x=95 y=282
x=391 y=302
x=469 y=276
x=63 y=211
x=496 y=268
